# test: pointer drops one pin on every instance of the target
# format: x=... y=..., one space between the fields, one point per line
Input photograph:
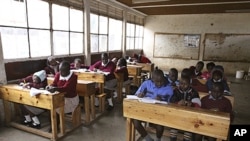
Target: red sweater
x=222 y=104
x=68 y=86
x=32 y=84
x=123 y=70
x=110 y=67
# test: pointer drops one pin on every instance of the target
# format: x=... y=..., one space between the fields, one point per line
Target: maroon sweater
x=32 y=84
x=123 y=70
x=222 y=104
x=68 y=86
x=110 y=67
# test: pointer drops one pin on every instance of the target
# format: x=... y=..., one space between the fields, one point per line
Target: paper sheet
x=34 y=91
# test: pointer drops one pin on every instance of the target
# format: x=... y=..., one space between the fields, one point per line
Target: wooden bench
x=134 y=72
x=98 y=78
x=147 y=67
x=195 y=120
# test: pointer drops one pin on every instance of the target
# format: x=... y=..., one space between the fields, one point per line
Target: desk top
x=201 y=121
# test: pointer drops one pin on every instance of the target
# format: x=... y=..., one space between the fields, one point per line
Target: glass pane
x=38 y=8
x=14 y=43
x=103 y=39
x=115 y=34
x=141 y=31
x=94 y=43
x=76 y=20
x=60 y=17
x=61 y=43
x=128 y=29
x=130 y=43
x=39 y=43
x=138 y=43
x=132 y=30
x=13 y=13
x=93 y=23
x=76 y=43
x=137 y=31
x=103 y=25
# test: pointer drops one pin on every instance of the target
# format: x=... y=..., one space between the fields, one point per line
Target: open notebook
x=146 y=99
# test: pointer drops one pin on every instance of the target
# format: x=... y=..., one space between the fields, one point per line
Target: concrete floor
x=111 y=126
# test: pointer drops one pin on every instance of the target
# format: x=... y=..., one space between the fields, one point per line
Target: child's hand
x=158 y=97
x=52 y=90
x=140 y=95
x=26 y=85
x=188 y=103
x=182 y=102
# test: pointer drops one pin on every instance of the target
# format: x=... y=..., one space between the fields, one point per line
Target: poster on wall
x=191 y=40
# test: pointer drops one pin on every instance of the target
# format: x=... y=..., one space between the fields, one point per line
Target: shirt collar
x=67 y=77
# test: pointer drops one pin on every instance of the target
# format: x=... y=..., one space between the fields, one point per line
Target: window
x=134 y=37
x=99 y=33
x=115 y=34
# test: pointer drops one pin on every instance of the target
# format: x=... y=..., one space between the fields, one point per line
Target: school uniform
x=29 y=79
x=148 y=86
x=68 y=85
x=194 y=73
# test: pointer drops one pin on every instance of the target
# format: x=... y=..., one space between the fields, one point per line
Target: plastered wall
x=237 y=23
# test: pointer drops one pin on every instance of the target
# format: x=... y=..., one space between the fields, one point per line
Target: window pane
x=137 y=31
x=103 y=39
x=13 y=13
x=103 y=25
x=115 y=34
x=94 y=43
x=93 y=23
x=76 y=20
x=14 y=43
x=141 y=31
x=61 y=43
x=39 y=43
x=138 y=43
x=132 y=30
x=130 y=43
x=60 y=17
x=76 y=43
x=38 y=8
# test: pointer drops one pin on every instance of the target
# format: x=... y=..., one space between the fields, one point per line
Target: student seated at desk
x=37 y=80
x=77 y=64
x=139 y=58
x=172 y=78
x=106 y=65
x=156 y=88
x=184 y=95
x=218 y=76
x=207 y=74
x=122 y=68
x=215 y=101
x=52 y=66
x=196 y=71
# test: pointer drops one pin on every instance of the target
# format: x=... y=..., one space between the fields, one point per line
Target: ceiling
x=172 y=7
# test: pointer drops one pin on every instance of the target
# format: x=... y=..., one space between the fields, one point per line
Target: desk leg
x=7 y=110
x=53 y=124
x=129 y=129
x=92 y=104
x=62 y=120
x=87 y=112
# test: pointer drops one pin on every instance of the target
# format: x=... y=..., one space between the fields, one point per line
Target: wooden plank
x=120 y=80
x=135 y=72
x=196 y=120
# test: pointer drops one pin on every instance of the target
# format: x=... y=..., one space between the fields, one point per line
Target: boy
x=215 y=101
x=196 y=71
x=157 y=88
x=184 y=95
x=172 y=78
x=106 y=65
x=217 y=76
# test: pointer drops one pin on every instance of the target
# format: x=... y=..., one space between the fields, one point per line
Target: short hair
x=157 y=72
x=105 y=54
x=186 y=72
x=174 y=70
x=218 y=72
x=65 y=65
x=210 y=64
x=123 y=61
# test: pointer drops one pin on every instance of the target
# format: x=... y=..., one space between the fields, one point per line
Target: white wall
x=195 y=24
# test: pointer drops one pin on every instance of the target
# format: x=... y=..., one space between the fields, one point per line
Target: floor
x=111 y=126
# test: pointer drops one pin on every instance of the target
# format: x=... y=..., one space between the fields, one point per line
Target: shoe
x=110 y=108
x=35 y=125
x=27 y=123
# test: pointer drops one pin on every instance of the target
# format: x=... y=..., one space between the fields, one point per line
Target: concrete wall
x=237 y=23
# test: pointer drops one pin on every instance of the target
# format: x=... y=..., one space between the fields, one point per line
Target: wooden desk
x=85 y=89
x=135 y=72
x=147 y=67
x=201 y=121
x=120 y=80
x=15 y=93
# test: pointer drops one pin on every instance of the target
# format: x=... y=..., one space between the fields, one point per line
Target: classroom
x=170 y=33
